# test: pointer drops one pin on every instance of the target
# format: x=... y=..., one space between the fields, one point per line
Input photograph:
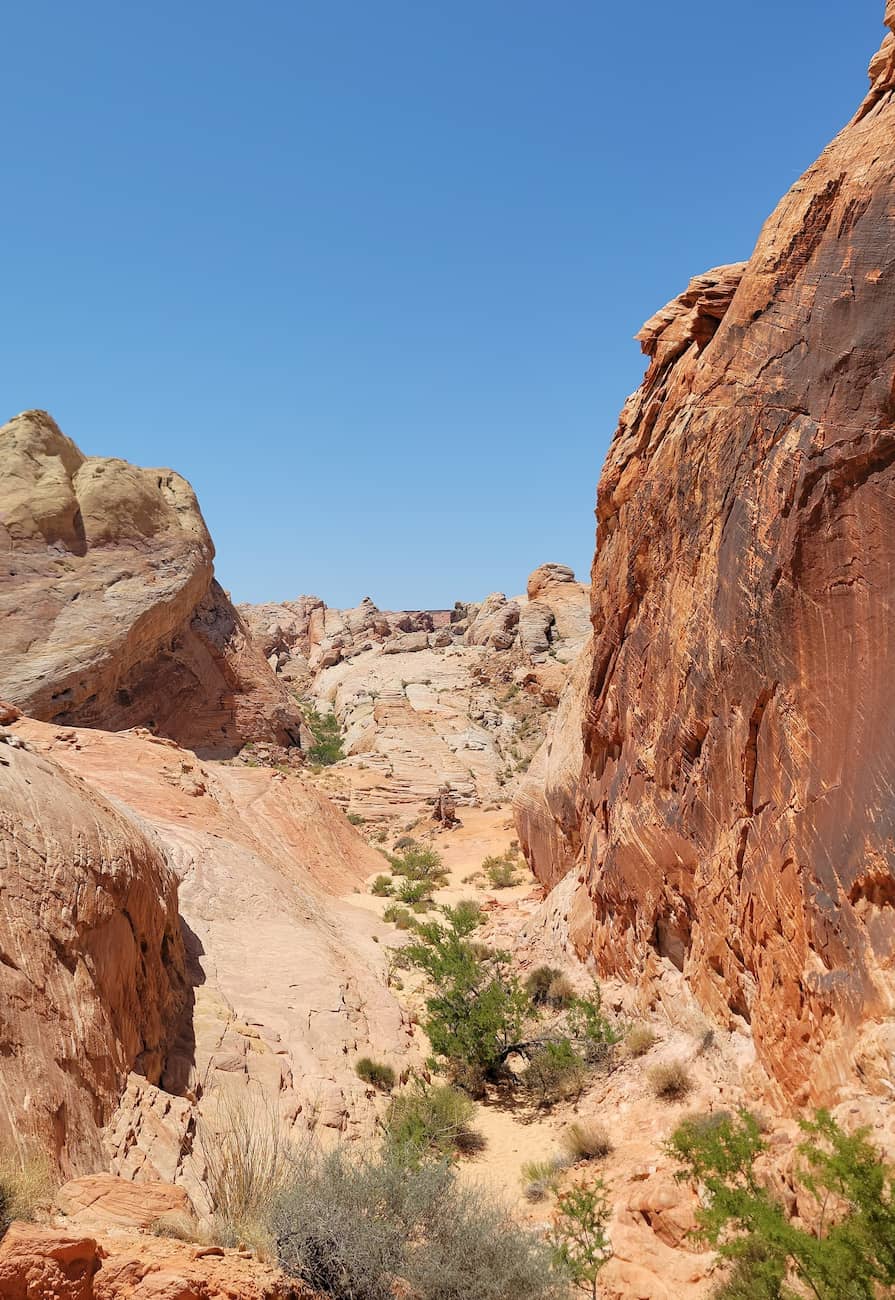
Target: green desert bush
x=670 y=1081
x=579 y=1235
x=594 y=1034
x=538 y=983
x=469 y=911
x=376 y=1073
x=420 y=862
x=501 y=872
x=382 y=887
x=555 y=1073
x=428 y=1120
x=324 y=727
x=842 y=1247
x=398 y=916
x=583 y=1141
x=349 y=1227
x=414 y=891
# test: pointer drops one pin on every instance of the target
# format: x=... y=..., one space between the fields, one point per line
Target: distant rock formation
x=433 y=704
x=735 y=816
x=109 y=613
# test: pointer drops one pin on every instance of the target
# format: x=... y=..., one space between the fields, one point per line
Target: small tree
x=580 y=1241
x=477 y=1008
x=847 y=1253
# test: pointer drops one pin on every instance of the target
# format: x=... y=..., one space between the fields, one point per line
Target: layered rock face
x=286 y=984
x=431 y=700
x=109 y=613
x=92 y=958
x=735 y=809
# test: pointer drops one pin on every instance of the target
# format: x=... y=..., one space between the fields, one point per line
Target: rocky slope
x=430 y=700
x=109 y=612
x=734 y=814
x=285 y=985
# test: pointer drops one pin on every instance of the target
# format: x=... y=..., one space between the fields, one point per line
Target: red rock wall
x=736 y=809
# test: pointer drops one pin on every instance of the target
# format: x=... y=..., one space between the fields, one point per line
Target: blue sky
x=367 y=271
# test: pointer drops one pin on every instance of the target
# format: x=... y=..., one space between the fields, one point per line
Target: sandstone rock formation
x=91 y=954
x=109 y=613
x=287 y=986
x=735 y=812
x=430 y=700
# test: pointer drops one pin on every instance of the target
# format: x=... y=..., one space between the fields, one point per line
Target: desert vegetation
x=26 y=1185
x=327 y=748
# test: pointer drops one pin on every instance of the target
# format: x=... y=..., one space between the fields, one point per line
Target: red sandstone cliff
x=735 y=809
x=109 y=613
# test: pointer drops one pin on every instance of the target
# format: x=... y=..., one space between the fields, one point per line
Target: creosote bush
x=428 y=1120
x=376 y=1073
x=501 y=871
x=579 y=1235
x=419 y=862
x=671 y=1081
x=398 y=916
x=586 y=1141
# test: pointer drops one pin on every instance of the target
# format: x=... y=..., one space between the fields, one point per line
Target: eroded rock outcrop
x=91 y=954
x=735 y=809
x=109 y=612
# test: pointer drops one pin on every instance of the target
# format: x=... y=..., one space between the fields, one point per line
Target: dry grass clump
x=586 y=1141
x=247 y=1163
x=541 y=1177
x=555 y=1073
x=561 y=992
x=383 y=886
x=26 y=1186
x=671 y=1080
x=639 y=1040
x=178 y=1225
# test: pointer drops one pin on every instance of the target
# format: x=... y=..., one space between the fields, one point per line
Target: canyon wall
x=109 y=612
x=735 y=815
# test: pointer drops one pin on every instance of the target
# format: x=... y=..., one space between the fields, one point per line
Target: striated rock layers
x=735 y=811
x=92 y=962
x=109 y=613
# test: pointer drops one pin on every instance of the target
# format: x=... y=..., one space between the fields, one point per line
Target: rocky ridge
x=430 y=700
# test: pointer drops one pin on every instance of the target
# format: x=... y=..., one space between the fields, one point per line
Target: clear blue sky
x=367 y=271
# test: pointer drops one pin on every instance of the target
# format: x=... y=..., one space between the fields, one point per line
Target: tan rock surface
x=93 y=962
x=735 y=803
x=103 y=1201
x=287 y=984
x=109 y=612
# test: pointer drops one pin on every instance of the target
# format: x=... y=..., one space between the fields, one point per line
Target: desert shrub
x=594 y=1034
x=26 y=1185
x=844 y=1250
x=477 y=1007
x=247 y=1162
x=579 y=1235
x=356 y=819
x=540 y=1177
x=639 y=1040
x=501 y=872
x=382 y=887
x=177 y=1225
x=376 y=1073
x=586 y=1141
x=671 y=1081
x=561 y=992
x=324 y=727
x=420 y=862
x=428 y=1120
x=350 y=1227
x=538 y=983
x=414 y=891
x=398 y=916
x=555 y=1072
x=469 y=910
